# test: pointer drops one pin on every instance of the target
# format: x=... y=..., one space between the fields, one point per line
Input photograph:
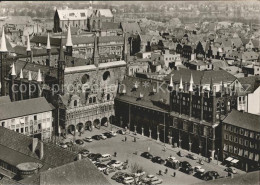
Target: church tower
x=61 y=68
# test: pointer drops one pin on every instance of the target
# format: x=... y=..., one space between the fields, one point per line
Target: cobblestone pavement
x=125 y=151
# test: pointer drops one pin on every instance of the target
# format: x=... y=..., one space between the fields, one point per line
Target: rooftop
x=23 y=108
x=244 y=120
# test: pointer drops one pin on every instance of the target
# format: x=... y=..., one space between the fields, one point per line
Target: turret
x=3 y=49
x=61 y=68
x=20 y=87
x=13 y=74
x=95 y=55
x=48 y=48
x=39 y=80
x=69 y=42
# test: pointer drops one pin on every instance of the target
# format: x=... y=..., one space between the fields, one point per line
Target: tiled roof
x=110 y=25
x=21 y=144
x=201 y=76
x=131 y=27
x=250 y=83
x=43 y=40
x=244 y=120
x=158 y=100
x=22 y=108
x=21 y=50
x=80 y=172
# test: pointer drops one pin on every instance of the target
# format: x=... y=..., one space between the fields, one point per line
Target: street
x=127 y=151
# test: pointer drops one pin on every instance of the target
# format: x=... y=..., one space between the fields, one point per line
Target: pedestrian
x=174 y=174
x=170 y=155
x=125 y=138
x=115 y=154
x=160 y=172
x=166 y=171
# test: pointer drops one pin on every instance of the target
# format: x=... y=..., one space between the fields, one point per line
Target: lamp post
x=217 y=156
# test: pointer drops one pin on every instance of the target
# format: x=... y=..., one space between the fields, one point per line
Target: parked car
x=149 y=178
x=157 y=181
x=117 y=164
x=139 y=173
x=109 y=170
x=147 y=155
x=231 y=170
x=117 y=174
x=180 y=154
x=186 y=167
x=128 y=180
x=102 y=136
x=121 y=178
x=63 y=145
x=170 y=158
x=192 y=156
x=198 y=169
x=121 y=132
x=199 y=174
x=88 y=139
x=96 y=137
x=101 y=167
x=113 y=133
x=107 y=134
x=175 y=164
x=94 y=157
x=79 y=142
x=104 y=157
x=111 y=162
x=69 y=144
x=210 y=175
x=84 y=153
x=158 y=160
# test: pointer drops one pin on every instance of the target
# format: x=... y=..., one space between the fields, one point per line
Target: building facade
x=240 y=140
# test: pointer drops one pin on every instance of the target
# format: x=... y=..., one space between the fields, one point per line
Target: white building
x=31 y=117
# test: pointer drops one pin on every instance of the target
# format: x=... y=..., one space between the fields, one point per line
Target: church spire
x=39 y=77
x=21 y=74
x=191 y=83
x=3 y=47
x=13 y=70
x=28 y=49
x=95 y=51
x=181 y=85
x=171 y=83
x=48 y=47
x=69 y=42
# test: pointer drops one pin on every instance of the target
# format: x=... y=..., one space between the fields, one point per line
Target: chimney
x=34 y=144
x=79 y=156
x=41 y=150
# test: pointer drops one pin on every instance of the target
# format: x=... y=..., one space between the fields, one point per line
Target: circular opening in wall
x=85 y=79
x=106 y=75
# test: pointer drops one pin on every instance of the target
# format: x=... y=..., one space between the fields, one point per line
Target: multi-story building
x=187 y=116
x=28 y=118
x=240 y=140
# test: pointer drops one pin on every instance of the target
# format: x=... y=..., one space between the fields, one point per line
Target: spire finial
x=3 y=47
x=29 y=76
x=28 y=43
x=171 y=82
x=48 y=42
x=181 y=85
x=39 y=77
x=13 y=70
x=69 y=40
x=191 y=83
x=21 y=74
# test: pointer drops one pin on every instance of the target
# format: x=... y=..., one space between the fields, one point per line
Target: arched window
x=94 y=100
x=75 y=103
x=108 y=96
x=90 y=100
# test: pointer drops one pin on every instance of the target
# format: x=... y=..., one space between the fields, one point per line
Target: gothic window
x=85 y=78
x=75 y=103
x=106 y=75
x=94 y=99
x=90 y=100
x=108 y=96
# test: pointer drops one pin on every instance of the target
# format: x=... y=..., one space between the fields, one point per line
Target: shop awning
x=229 y=159
x=234 y=161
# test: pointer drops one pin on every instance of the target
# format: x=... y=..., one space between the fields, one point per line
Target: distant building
x=240 y=140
